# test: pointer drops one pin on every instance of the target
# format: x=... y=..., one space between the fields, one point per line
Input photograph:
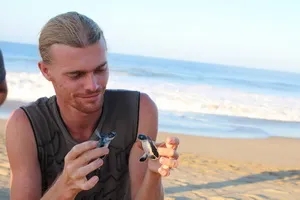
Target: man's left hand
x=168 y=157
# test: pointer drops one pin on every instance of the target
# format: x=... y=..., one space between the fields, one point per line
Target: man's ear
x=44 y=68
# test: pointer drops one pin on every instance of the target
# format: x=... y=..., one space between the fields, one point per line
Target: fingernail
x=161 y=160
x=99 y=161
x=165 y=167
x=164 y=173
x=106 y=150
x=95 y=179
x=167 y=173
x=160 y=170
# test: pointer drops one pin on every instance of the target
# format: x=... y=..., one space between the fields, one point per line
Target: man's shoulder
x=121 y=92
x=17 y=118
x=41 y=101
x=19 y=114
x=126 y=94
x=122 y=95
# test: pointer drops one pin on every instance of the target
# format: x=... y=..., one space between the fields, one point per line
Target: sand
x=216 y=169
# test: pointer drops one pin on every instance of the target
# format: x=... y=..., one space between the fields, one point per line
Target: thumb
x=139 y=144
x=160 y=144
x=168 y=145
x=172 y=142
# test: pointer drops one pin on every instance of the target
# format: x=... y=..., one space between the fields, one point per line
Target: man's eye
x=75 y=75
x=101 y=69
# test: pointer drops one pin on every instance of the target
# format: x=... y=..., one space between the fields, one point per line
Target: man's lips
x=90 y=96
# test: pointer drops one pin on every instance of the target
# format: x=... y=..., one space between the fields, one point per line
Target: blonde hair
x=72 y=29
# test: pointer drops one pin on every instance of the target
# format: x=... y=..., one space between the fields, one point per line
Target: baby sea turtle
x=148 y=147
x=105 y=139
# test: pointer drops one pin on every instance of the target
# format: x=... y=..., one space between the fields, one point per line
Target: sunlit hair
x=72 y=29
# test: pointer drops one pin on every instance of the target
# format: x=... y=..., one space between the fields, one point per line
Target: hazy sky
x=253 y=33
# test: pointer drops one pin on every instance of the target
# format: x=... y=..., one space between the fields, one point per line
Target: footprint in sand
x=275 y=191
x=4 y=171
x=4 y=164
x=255 y=197
x=222 y=198
x=170 y=198
x=4 y=168
x=180 y=182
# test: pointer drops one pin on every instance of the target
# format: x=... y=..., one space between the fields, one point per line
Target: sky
x=250 y=33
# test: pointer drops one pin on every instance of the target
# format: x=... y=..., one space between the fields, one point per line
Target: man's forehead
x=69 y=58
x=68 y=51
x=100 y=44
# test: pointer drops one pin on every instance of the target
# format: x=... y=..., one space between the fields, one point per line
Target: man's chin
x=89 y=109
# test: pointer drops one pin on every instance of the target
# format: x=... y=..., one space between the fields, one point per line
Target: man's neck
x=79 y=125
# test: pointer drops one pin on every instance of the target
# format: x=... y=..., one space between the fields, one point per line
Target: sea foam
x=175 y=97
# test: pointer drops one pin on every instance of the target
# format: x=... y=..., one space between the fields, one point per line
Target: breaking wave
x=175 y=97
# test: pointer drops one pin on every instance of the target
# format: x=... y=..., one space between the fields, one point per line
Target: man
x=3 y=85
x=51 y=142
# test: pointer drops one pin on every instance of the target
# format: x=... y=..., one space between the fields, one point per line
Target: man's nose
x=91 y=83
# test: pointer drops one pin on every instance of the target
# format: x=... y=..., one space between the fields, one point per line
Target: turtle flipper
x=154 y=150
x=153 y=157
x=144 y=157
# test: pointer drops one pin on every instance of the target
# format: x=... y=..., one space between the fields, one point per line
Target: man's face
x=79 y=75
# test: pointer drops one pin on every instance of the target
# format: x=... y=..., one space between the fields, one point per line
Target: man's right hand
x=79 y=162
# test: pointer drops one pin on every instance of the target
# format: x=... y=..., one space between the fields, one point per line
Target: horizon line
x=182 y=60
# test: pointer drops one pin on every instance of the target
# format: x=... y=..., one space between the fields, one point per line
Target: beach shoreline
x=219 y=168
x=214 y=126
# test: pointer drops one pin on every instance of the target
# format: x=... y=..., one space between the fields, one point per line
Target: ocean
x=192 y=97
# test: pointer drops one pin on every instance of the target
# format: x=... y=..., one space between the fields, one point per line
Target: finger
x=160 y=144
x=171 y=163
x=172 y=142
x=167 y=152
x=89 y=156
x=163 y=172
x=89 y=184
x=78 y=149
x=85 y=170
x=170 y=146
x=139 y=145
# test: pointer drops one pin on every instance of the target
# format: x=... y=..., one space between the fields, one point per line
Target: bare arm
x=22 y=155
x=3 y=91
x=144 y=183
x=25 y=169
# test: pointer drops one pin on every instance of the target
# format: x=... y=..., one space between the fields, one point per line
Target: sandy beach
x=216 y=169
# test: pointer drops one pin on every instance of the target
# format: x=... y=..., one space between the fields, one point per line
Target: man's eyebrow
x=82 y=71
x=101 y=65
x=74 y=72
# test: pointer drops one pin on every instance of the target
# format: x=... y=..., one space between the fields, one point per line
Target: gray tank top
x=120 y=114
